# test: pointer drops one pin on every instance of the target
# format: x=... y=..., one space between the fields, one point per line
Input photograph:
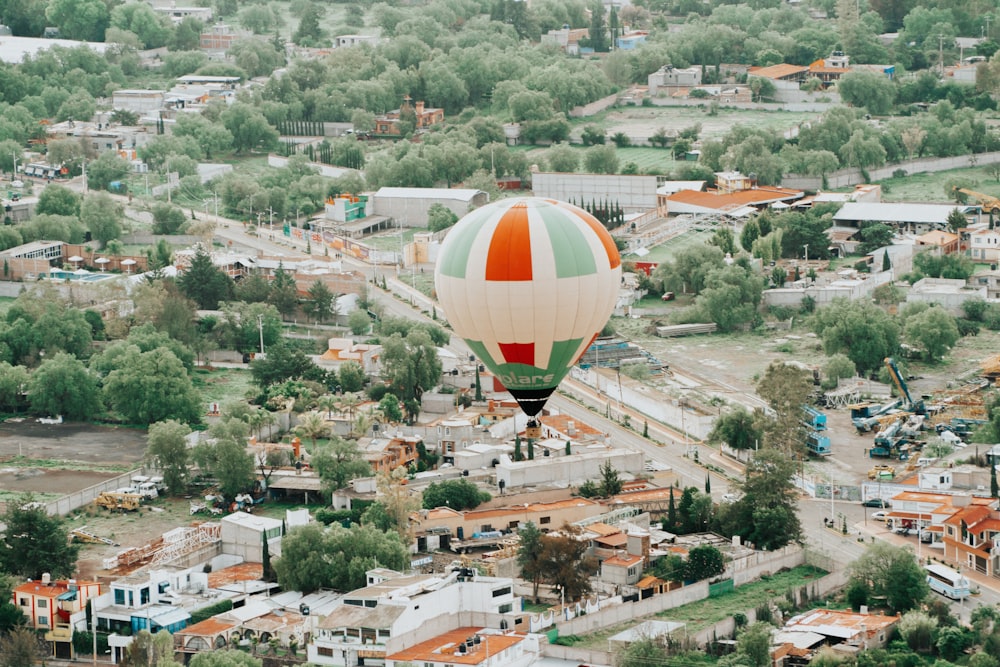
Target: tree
x=738 y=429
x=203 y=283
x=397 y=500
x=956 y=220
x=103 y=216
x=339 y=462
x=704 y=562
x=565 y=565
x=754 y=643
x=458 y=494
x=107 y=168
x=689 y=269
x=440 y=217
x=598 y=35
x=224 y=658
x=611 y=485
x=13 y=386
x=875 y=236
x=862 y=331
x=862 y=151
x=563 y=158
x=410 y=365
x=227 y=459
x=917 y=629
x=874 y=92
x=148 y=650
x=84 y=20
x=62 y=385
x=892 y=573
x=766 y=513
x=148 y=387
x=168 y=219
x=319 y=303
x=284 y=363
x=34 y=542
x=58 y=200
x=785 y=388
x=313 y=427
x=309 y=32
x=837 y=367
x=249 y=128
x=934 y=330
x=601 y=160
x=20 y=648
x=167 y=450
x=336 y=557
x=352 y=377
x=529 y=555
x=283 y=295
x=359 y=322
x=730 y=297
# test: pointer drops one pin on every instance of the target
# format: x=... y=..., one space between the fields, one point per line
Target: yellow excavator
x=989 y=203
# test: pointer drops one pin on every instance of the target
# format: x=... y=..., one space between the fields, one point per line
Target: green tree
x=337 y=557
x=601 y=160
x=862 y=151
x=351 y=377
x=934 y=330
x=339 y=462
x=103 y=216
x=458 y=494
x=862 y=331
x=565 y=563
x=223 y=658
x=611 y=485
x=917 y=629
x=766 y=514
x=313 y=427
x=319 y=303
x=108 y=167
x=359 y=322
x=738 y=429
x=62 y=385
x=875 y=236
x=227 y=459
x=750 y=233
x=689 y=269
x=283 y=295
x=754 y=643
x=84 y=20
x=13 y=386
x=704 y=562
x=249 y=128
x=390 y=409
x=57 y=199
x=598 y=33
x=20 y=647
x=148 y=650
x=168 y=219
x=284 y=363
x=167 y=450
x=529 y=555
x=730 y=297
x=410 y=365
x=34 y=542
x=874 y=92
x=203 y=283
x=892 y=573
x=148 y=387
x=956 y=220
x=151 y=28
x=440 y=217
x=309 y=33
x=245 y=324
x=563 y=158
x=785 y=388
x=837 y=367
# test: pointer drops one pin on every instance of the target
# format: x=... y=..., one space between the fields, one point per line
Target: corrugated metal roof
x=934 y=214
x=465 y=194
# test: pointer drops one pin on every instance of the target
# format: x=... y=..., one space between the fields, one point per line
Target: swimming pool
x=57 y=274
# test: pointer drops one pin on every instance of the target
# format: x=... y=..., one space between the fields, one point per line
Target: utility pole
x=85 y=176
x=941 y=53
x=807 y=252
x=260 y=328
x=14 y=155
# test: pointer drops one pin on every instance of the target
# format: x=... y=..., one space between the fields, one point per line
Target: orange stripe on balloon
x=592 y=339
x=509 y=257
x=518 y=353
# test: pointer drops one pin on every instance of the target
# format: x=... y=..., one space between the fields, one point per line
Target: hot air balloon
x=528 y=283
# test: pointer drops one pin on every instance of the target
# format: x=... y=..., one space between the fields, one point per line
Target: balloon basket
x=533 y=431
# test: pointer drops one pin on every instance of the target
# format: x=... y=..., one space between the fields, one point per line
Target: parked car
x=880 y=516
x=730 y=498
x=877 y=502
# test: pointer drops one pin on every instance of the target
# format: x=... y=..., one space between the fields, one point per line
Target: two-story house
x=396 y=612
x=985 y=245
x=54 y=607
x=972 y=539
x=387 y=454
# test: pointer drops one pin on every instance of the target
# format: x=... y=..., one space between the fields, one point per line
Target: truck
x=813 y=418
x=888 y=441
x=818 y=444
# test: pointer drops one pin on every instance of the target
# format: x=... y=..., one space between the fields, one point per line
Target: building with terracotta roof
x=623 y=569
x=397 y=613
x=342 y=350
x=387 y=454
x=928 y=510
x=55 y=607
x=732 y=204
x=470 y=646
x=424 y=116
x=565 y=427
x=972 y=539
x=780 y=72
x=938 y=242
x=545 y=515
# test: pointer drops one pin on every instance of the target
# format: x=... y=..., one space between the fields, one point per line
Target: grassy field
x=930 y=187
x=701 y=614
x=668 y=249
x=222 y=385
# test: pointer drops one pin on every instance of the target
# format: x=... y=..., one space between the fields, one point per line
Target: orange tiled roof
x=623 y=561
x=616 y=540
x=970 y=515
x=210 y=627
x=531 y=507
x=988 y=524
x=235 y=573
x=52 y=590
x=444 y=648
x=647 y=495
x=778 y=71
x=561 y=424
x=735 y=199
x=602 y=529
x=823 y=69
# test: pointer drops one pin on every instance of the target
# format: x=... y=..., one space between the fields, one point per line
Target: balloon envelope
x=528 y=283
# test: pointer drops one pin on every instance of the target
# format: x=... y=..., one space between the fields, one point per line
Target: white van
x=924 y=461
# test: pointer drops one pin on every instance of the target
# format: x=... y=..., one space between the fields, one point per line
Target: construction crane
x=916 y=407
x=988 y=203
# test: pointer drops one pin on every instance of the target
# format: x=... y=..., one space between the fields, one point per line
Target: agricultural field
x=642 y=122
x=668 y=249
x=222 y=385
x=930 y=187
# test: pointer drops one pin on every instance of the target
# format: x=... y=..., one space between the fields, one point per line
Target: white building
x=669 y=76
x=395 y=612
x=139 y=101
x=343 y=41
x=243 y=535
x=409 y=206
x=985 y=245
x=565 y=470
x=632 y=193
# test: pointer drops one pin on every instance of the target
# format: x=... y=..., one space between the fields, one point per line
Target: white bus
x=947 y=581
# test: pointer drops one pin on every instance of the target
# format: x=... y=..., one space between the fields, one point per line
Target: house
x=138 y=101
x=565 y=428
x=831 y=68
x=394 y=613
x=864 y=631
x=566 y=38
x=735 y=204
x=388 y=125
x=409 y=207
x=470 y=646
x=938 y=242
x=669 y=77
x=991 y=280
x=622 y=570
x=178 y=14
x=55 y=606
x=387 y=454
x=949 y=294
x=928 y=510
x=345 y=41
x=546 y=515
x=985 y=245
x=243 y=535
x=972 y=539
x=564 y=470
x=780 y=72
x=219 y=37
x=341 y=350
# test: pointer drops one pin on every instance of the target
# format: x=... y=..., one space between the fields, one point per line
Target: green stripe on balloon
x=454 y=263
x=524 y=376
x=573 y=255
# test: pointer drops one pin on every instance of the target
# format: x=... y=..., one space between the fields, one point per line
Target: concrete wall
x=632 y=193
x=578 y=655
x=594 y=107
x=72 y=501
x=848 y=177
x=577 y=467
x=629 y=611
